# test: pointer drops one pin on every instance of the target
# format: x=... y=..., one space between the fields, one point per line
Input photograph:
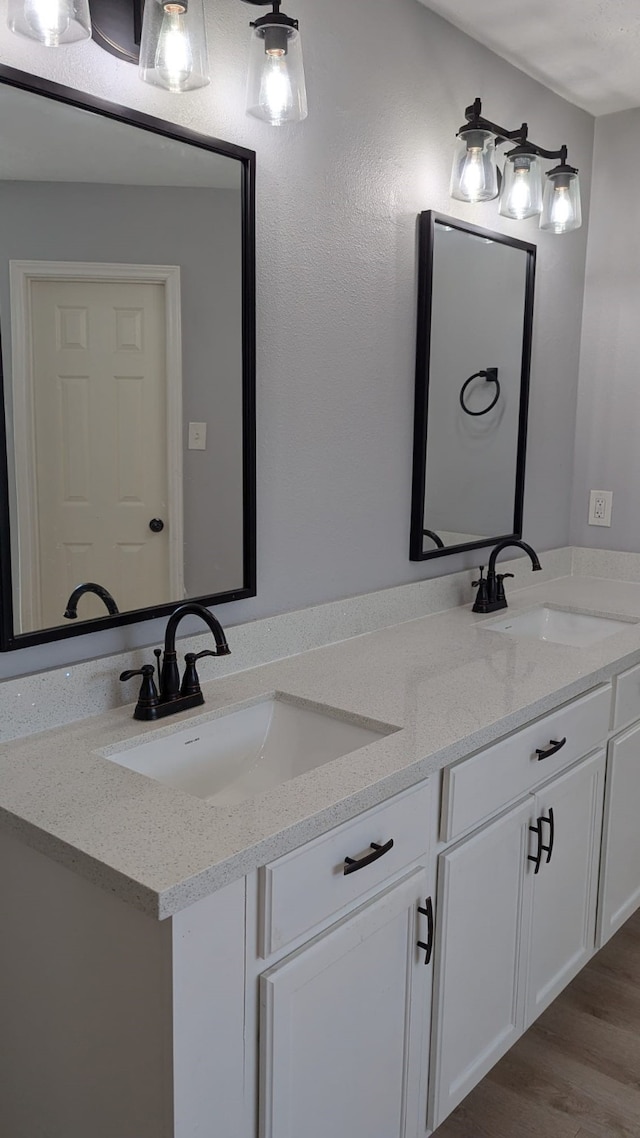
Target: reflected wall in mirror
x=475 y=311
x=128 y=311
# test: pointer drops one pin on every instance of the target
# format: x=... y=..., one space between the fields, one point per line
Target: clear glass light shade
x=50 y=22
x=173 y=48
x=521 y=192
x=276 y=91
x=474 y=176
x=561 y=209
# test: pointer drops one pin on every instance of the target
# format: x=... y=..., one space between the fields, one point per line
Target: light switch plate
x=600 y=504
x=197 y=436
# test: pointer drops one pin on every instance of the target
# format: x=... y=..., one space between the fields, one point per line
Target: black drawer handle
x=352 y=864
x=428 y=946
x=555 y=745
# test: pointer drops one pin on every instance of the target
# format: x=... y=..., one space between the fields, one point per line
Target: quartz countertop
x=447 y=684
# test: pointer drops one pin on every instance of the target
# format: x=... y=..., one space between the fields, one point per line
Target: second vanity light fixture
x=172 y=40
x=475 y=176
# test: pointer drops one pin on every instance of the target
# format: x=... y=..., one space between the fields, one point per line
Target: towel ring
x=491 y=376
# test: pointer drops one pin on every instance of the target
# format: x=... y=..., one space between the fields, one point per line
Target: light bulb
x=276 y=94
x=520 y=196
x=472 y=181
x=48 y=19
x=174 y=57
x=562 y=208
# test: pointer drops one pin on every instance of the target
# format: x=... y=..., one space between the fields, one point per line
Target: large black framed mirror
x=475 y=315
x=127 y=314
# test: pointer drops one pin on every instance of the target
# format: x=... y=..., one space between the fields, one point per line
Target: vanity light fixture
x=276 y=91
x=475 y=176
x=167 y=39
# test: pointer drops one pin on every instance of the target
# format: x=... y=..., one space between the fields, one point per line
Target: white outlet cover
x=600 y=506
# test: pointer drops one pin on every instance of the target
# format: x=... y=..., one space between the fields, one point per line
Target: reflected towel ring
x=434 y=537
x=491 y=376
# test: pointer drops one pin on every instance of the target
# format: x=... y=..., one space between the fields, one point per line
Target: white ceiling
x=586 y=50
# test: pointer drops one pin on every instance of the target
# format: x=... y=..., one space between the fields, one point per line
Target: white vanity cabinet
x=620 y=871
x=343 y=1012
x=509 y=938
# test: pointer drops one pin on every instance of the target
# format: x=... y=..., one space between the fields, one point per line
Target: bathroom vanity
x=490 y=841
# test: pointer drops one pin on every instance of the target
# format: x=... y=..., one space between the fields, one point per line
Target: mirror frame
x=426 y=233
x=9 y=639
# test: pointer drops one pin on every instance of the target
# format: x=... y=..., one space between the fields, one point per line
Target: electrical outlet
x=600 y=504
x=197 y=436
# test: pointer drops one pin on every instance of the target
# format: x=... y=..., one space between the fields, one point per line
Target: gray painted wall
x=607 y=452
x=337 y=203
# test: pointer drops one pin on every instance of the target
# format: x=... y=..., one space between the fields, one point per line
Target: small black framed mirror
x=127 y=395
x=474 y=330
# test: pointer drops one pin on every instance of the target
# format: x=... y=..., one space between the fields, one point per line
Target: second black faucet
x=491 y=596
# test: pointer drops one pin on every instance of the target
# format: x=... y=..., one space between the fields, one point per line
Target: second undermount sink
x=229 y=758
x=562 y=626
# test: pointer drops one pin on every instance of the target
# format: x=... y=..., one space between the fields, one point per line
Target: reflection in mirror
x=126 y=270
x=475 y=312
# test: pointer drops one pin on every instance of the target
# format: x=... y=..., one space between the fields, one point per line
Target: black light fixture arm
x=275 y=16
x=475 y=120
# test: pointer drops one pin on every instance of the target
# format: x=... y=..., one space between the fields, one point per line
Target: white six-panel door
x=99 y=387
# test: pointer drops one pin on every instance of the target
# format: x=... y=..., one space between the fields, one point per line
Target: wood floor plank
x=576 y=1072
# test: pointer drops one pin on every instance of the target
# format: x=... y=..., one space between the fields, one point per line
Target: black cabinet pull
x=352 y=864
x=156 y=525
x=552 y=834
x=428 y=946
x=537 y=857
x=555 y=745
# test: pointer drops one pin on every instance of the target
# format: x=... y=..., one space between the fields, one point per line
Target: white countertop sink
x=562 y=626
x=236 y=756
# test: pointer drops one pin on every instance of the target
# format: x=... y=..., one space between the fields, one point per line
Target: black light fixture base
x=117 y=27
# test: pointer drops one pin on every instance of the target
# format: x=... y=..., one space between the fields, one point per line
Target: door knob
x=156 y=525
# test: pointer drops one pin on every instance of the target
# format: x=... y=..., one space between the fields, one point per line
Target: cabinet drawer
x=477 y=787
x=626 y=708
x=303 y=888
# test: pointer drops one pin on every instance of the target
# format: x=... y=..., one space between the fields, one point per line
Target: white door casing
x=25 y=278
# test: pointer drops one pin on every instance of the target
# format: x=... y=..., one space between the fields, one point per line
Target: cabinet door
x=342 y=1025
x=565 y=889
x=620 y=872
x=483 y=920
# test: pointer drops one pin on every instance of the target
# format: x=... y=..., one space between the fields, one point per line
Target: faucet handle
x=482 y=597
x=191 y=681
x=500 y=579
x=148 y=696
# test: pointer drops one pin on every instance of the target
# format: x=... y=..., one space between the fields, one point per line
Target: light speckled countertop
x=450 y=685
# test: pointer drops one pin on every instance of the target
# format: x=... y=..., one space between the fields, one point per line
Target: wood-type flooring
x=576 y=1072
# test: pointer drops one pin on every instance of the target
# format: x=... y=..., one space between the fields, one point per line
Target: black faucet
x=71 y=611
x=491 y=596
x=175 y=696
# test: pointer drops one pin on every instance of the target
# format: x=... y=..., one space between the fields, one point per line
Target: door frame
x=21 y=276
